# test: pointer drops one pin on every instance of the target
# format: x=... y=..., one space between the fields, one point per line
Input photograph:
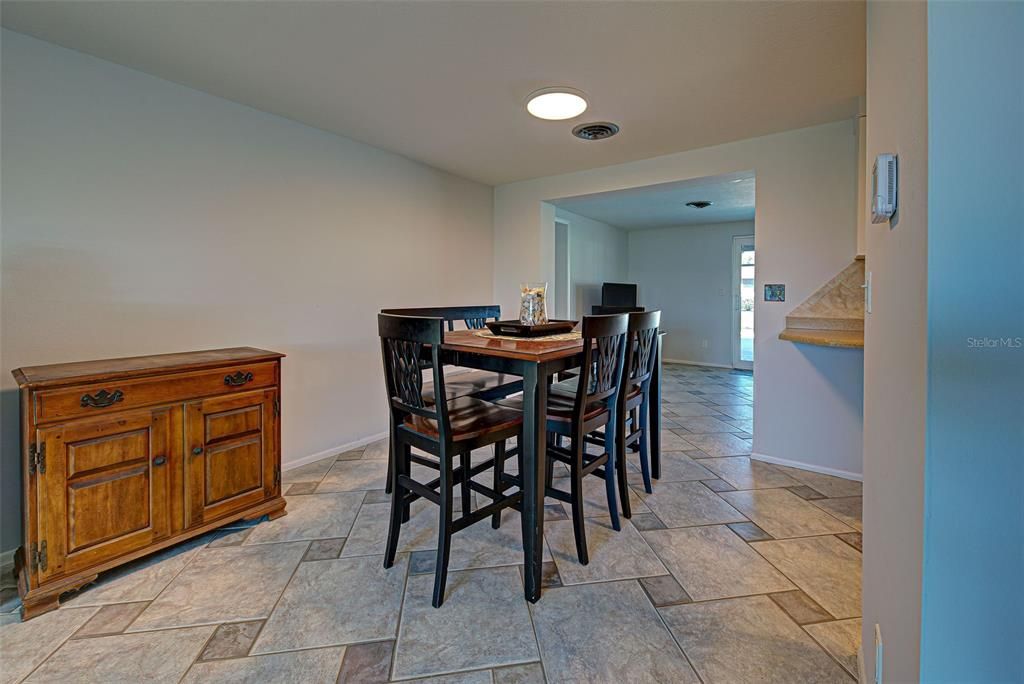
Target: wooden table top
x=537 y=349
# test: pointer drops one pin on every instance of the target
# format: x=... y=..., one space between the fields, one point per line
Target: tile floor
x=731 y=571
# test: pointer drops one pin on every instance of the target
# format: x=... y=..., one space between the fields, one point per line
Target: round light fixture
x=556 y=104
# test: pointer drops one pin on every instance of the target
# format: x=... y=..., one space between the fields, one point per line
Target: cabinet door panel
x=105 y=490
x=230 y=447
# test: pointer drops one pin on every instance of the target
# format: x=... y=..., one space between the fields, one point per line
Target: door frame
x=563 y=299
x=735 y=313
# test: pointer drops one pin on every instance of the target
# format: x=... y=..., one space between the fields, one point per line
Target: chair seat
x=568 y=388
x=473 y=382
x=470 y=418
x=559 y=407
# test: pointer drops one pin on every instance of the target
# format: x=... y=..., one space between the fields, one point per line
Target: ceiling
x=664 y=205
x=445 y=83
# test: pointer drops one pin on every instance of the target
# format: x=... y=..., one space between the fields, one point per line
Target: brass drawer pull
x=102 y=399
x=238 y=379
x=159 y=460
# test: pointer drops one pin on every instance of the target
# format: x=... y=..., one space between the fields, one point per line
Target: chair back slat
x=640 y=352
x=411 y=345
x=473 y=317
x=604 y=347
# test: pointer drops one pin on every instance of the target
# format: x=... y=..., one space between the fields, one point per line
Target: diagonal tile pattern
x=754 y=569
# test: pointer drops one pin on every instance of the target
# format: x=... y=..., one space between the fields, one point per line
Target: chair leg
x=576 y=494
x=611 y=447
x=397 y=512
x=499 y=467
x=444 y=533
x=549 y=475
x=467 y=465
x=403 y=454
x=388 y=488
x=645 y=465
x=636 y=421
x=620 y=466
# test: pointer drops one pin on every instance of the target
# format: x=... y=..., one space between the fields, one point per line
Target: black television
x=618 y=295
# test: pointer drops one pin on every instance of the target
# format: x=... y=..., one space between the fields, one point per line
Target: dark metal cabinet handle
x=238 y=379
x=102 y=399
x=197 y=451
x=159 y=460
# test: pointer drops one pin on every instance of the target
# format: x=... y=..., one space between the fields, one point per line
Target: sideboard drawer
x=97 y=399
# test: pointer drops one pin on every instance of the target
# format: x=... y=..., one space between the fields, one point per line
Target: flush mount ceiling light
x=700 y=204
x=556 y=104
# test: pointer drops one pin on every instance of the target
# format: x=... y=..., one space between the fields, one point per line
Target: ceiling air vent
x=700 y=204
x=599 y=130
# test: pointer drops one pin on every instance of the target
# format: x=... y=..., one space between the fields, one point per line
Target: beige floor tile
x=477 y=546
x=692 y=409
x=112 y=619
x=841 y=639
x=613 y=555
x=703 y=425
x=737 y=412
x=141 y=580
x=530 y=673
x=673 y=441
x=162 y=656
x=232 y=640
x=367 y=663
x=675 y=467
x=826 y=484
x=713 y=562
x=226 y=584
x=606 y=632
x=720 y=444
x=311 y=472
x=684 y=504
x=312 y=516
x=848 y=509
x=595 y=497
x=24 y=645
x=749 y=640
x=317 y=666
x=744 y=473
x=827 y=569
x=781 y=513
x=351 y=476
x=376 y=451
x=475 y=677
x=484 y=622
x=333 y=602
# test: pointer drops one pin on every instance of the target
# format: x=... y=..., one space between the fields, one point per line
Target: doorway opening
x=743 y=302
x=563 y=288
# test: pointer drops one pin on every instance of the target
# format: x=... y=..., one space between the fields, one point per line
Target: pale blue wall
x=973 y=584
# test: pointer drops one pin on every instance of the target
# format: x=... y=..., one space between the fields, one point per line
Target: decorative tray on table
x=514 y=328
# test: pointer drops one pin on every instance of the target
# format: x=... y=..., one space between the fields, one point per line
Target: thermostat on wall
x=883 y=188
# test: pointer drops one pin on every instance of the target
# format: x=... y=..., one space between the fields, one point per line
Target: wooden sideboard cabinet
x=123 y=457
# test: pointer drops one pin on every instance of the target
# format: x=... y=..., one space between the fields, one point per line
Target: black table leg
x=533 y=452
x=654 y=415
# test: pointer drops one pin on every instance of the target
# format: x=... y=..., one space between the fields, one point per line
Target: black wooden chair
x=444 y=429
x=591 y=406
x=634 y=401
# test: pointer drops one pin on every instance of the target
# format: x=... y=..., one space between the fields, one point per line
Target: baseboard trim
x=835 y=472
x=696 y=363
x=862 y=677
x=320 y=455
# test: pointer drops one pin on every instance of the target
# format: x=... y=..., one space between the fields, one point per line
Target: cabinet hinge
x=37 y=458
x=39 y=555
x=277 y=407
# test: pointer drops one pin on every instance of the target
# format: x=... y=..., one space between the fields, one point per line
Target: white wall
x=142 y=217
x=597 y=254
x=895 y=341
x=808 y=400
x=686 y=272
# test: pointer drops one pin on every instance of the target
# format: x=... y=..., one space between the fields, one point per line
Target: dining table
x=537 y=360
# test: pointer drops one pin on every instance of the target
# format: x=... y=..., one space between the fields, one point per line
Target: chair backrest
x=641 y=351
x=473 y=316
x=604 y=348
x=410 y=345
